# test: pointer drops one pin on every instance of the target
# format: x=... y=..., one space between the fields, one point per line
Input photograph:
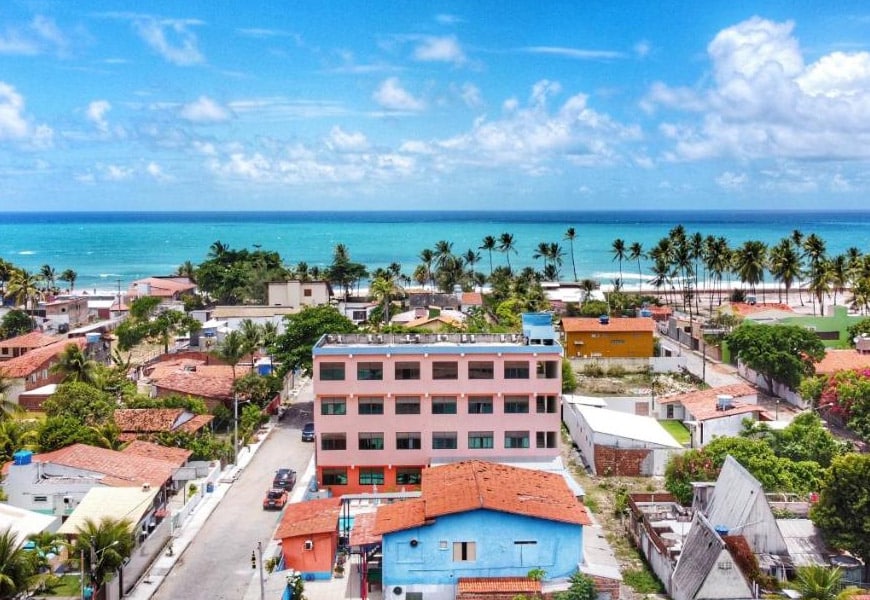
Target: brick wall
x=620 y=461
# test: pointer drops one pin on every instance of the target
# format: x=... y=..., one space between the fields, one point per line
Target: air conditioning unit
x=308 y=545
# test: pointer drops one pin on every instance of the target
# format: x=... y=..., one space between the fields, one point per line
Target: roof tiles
x=121 y=469
x=503 y=585
x=620 y=325
x=842 y=360
x=308 y=518
x=27 y=363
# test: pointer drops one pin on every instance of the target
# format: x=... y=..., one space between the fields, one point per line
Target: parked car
x=275 y=499
x=308 y=432
x=284 y=479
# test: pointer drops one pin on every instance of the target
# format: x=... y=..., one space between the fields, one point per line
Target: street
x=217 y=565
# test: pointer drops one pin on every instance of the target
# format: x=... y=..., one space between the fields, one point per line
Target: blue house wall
x=557 y=549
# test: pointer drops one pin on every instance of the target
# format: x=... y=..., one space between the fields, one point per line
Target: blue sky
x=204 y=105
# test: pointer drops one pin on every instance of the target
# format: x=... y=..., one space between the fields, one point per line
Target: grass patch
x=642 y=581
x=65 y=585
x=679 y=431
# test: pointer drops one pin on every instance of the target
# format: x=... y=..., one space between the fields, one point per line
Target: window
x=464 y=552
x=408 y=441
x=409 y=476
x=444 y=440
x=407 y=370
x=358 y=315
x=408 y=405
x=333 y=441
x=480 y=405
x=333 y=477
x=545 y=439
x=445 y=370
x=371 y=477
x=370 y=405
x=478 y=440
x=516 y=369
x=306 y=293
x=370 y=371
x=548 y=369
x=413 y=595
x=545 y=404
x=443 y=405
x=516 y=439
x=333 y=405
x=331 y=371
x=371 y=441
x=40 y=498
x=516 y=404
x=617 y=341
x=481 y=369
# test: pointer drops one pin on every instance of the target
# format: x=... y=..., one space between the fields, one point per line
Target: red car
x=275 y=499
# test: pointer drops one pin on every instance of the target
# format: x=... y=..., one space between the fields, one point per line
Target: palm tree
x=635 y=252
x=619 y=253
x=48 y=275
x=718 y=262
x=696 y=253
x=231 y=351
x=571 y=235
x=17 y=565
x=7 y=408
x=23 y=287
x=443 y=253
x=749 y=263
x=382 y=289
x=187 y=269
x=506 y=245
x=797 y=237
x=556 y=256
x=104 y=546
x=427 y=256
x=817 y=582
x=839 y=274
x=74 y=365
x=814 y=249
x=785 y=264
x=70 y=277
x=16 y=435
x=542 y=252
x=252 y=337
x=489 y=244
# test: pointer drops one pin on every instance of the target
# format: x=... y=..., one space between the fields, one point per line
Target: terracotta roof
x=743 y=309
x=737 y=390
x=503 y=585
x=472 y=299
x=473 y=485
x=165 y=287
x=121 y=469
x=584 y=324
x=34 y=339
x=427 y=320
x=27 y=363
x=702 y=404
x=196 y=423
x=842 y=360
x=195 y=378
x=307 y=518
x=363 y=532
x=147 y=420
x=177 y=456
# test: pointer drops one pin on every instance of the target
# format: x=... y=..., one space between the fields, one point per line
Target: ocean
x=109 y=249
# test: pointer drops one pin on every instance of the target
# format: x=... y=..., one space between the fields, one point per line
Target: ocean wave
x=27 y=252
x=107 y=275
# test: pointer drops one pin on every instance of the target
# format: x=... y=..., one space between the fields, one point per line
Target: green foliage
x=230 y=276
x=594 y=308
x=582 y=588
x=105 y=544
x=17 y=566
x=569 y=378
x=195 y=405
x=256 y=388
x=683 y=469
x=819 y=582
x=16 y=435
x=536 y=574
x=846 y=394
x=642 y=581
x=843 y=509
x=806 y=439
x=62 y=431
x=83 y=402
x=784 y=353
x=859 y=328
x=16 y=322
x=146 y=322
x=250 y=420
x=303 y=330
x=204 y=445
x=811 y=388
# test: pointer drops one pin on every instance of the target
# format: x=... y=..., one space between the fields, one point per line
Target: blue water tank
x=22 y=457
x=604 y=319
x=645 y=312
x=721 y=530
x=92 y=338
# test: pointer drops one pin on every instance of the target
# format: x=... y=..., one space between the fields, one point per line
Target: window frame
x=327 y=367
x=330 y=441
x=369 y=402
x=441 y=436
x=327 y=474
x=484 y=437
x=373 y=373
x=333 y=401
x=445 y=370
x=516 y=369
x=370 y=439
x=374 y=475
x=475 y=371
x=410 y=437
x=515 y=401
x=443 y=401
x=407 y=402
x=405 y=370
x=477 y=405
x=513 y=436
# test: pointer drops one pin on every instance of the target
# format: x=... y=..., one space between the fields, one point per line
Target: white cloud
x=392 y=96
x=96 y=114
x=156 y=172
x=642 y=48
x=574 y=53
x=471 y=95
x=171 y=39
x=448 y=19
x=732 y=181
x=204 y=110
x=14 y=125
x=40 y=35
x=343 y=141
x=439 y=49
x=112 y=172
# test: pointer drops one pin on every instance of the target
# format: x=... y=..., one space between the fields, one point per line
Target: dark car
x=275 y=499
x=308 y=432
x=284 y=479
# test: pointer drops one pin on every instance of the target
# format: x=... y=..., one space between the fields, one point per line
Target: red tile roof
x=152 y=420
x=363 y=532
x=702 y=404
x=308 y=518
x=121 y=469
x=743 y=309
x=187 y=376
x=177 y=456
x=474 y=485
x=501 y=585
x=34 y=339
x=472 y=299
x=164 y=287
x=587 y=324
x=27 y=363
x=842 y=360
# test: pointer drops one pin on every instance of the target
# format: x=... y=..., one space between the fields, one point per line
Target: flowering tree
x=846 y=394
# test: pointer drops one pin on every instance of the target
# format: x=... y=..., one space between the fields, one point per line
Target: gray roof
x=804 y=542
x=700 y=552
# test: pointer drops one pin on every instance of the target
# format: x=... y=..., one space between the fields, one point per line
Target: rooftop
x=34 y=339
x=118 y=503
x=27 y=363
x=120 y=469
x=842 y=360
x=416 y=343
x=620 y=325
x=627 y=425
x=310 y=517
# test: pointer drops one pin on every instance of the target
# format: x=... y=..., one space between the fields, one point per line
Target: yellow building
x=608 y=338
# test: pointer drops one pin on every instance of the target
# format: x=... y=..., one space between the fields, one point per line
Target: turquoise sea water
x=104 y=248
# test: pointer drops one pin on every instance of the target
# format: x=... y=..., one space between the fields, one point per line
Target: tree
x=750 y=261
x=820 y=582
x=619 y=253
x=569 y=379
x=104 y=545
x=48 y=275
x=571 y=235
x=146 y=322
x=783 y=353
x=302 y=330
x=635 y=252
x=23 y=287
x=70 y=277
x=17 y=565
x=582 y=588
x=256 y=388
x=73 y=365
x=85 y=403
x=843 y=509
x=506 y=245
x=15 y=322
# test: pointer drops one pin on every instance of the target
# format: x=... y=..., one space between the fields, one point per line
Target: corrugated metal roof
x=626 y=425
x=118 y=503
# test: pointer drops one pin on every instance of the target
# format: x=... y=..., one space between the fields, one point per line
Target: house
x=145 y=422
x=358 y=310
x=23 y=523
x=842 y=360
x=63 y=314
x=296 y=293
x=308 y=532
x=618 y=443
x=136 y=504
x=32 y=370
x=212 y=383
x=480 y=520
x=55 y=482
x=608 y=337
x=469 y=301
x=433 y=320
x=21 y=344
x=166 y=288
x=418 y=299
x=387 y=405
x=713 y=412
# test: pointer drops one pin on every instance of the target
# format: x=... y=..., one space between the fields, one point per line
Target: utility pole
x=262 y=578
x=235 y=429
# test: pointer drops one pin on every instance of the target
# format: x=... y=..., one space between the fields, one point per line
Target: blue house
x=482 y=522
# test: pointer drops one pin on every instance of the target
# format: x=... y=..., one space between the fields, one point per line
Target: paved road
x=217 y=565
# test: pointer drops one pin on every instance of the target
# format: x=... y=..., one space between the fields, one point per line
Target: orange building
x=608 y=338
x=309 y=536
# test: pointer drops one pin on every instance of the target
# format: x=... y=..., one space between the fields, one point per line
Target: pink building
x=388 y=405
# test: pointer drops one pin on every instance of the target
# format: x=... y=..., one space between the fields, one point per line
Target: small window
x=516 y=405
x=545 y=439
x=370 y=371
x=333 y=477
x=358 y=315
x=408 y=441
x=371 y=476
x=40 y=498
x=479 y=440
x=548 y=369
x=516 y=369
x=369 y=405
x=333 y=405
x=413 y=595
x=407 y=370
x=332 y=371
x=306 y=293
x=443 y=405
x=333 y=441
x=408 y=405
x=371 y=441
x=445 y=370
x=516 y=439
x=464 y=552
x=409 y=476
x=545 y=404
x=481 y=369
x=444 y=440
x=480 y=405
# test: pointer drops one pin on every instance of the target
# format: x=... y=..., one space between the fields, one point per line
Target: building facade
x=386 y=406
